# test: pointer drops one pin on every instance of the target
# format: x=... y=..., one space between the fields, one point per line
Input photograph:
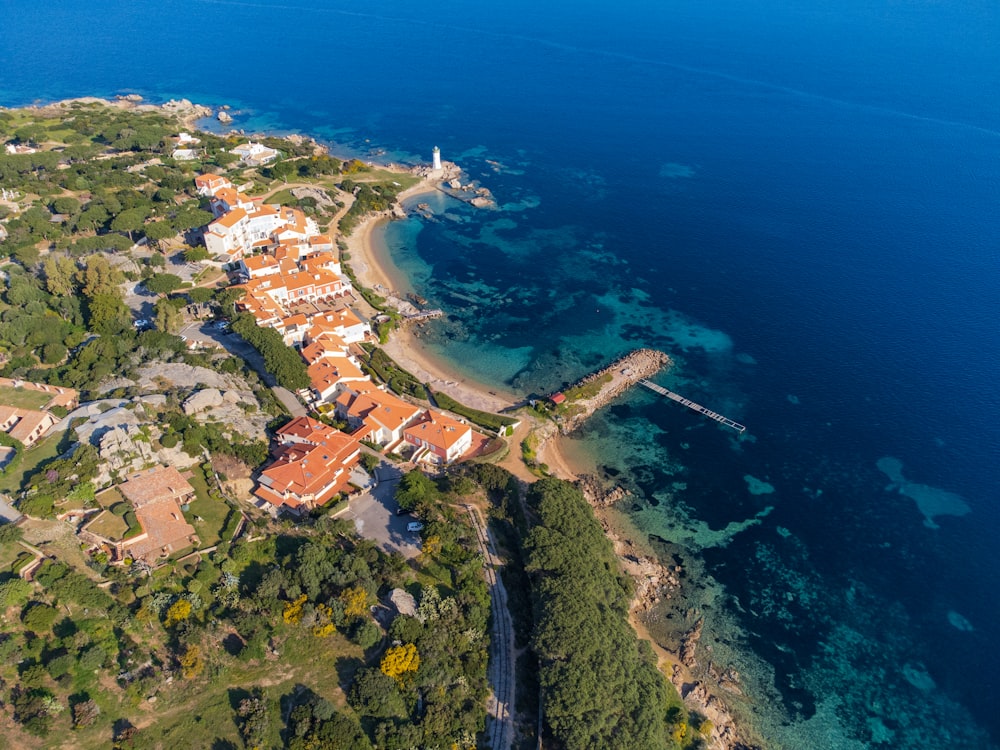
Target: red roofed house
x=228 y=235
x=157 y=495
x=328 y=378
x=25 y=425
x=443 y=438
x=312 y=464
x=376 y=415
x=208 y=184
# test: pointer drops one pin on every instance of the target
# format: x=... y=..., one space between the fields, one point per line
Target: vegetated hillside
x=267 y=641
x=598 y=684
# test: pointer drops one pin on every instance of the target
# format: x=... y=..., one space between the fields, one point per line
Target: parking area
x=374 y=514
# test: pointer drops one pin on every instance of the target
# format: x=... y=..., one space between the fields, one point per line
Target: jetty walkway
x=693 y=406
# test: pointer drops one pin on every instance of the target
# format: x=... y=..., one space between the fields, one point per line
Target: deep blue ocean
x=799 y=201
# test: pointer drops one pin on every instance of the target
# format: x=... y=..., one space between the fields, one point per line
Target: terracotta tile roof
x=230 y=219
x=312 y=464
x=326 y=373
x=381 y=408
x=30 y=426
x=211 y=181
x=439 y=430
x=151 y=485
x=165 y=531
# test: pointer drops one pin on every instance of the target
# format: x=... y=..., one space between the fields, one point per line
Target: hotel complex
x=295 y=285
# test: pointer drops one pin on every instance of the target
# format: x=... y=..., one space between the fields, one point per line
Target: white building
x=254 y=154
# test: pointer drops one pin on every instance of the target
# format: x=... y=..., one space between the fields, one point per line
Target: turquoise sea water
x=798 y=201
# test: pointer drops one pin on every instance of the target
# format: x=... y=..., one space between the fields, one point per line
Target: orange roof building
x=376 y=415
x=157 y=495
x=329 y=377
x=442 y=438
x=25 y=425
x=312 y=464
x=208 y=184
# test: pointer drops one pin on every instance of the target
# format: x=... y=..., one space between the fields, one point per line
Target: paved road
x=374 y=514
x=500 y=717
x=8 y=514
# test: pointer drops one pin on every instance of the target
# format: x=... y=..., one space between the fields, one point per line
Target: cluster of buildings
x=295 y=285
x=186 y=148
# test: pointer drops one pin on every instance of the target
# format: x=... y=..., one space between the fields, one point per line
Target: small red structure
x=557 y=398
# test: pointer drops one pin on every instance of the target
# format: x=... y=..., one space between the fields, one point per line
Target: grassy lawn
x=108 y=525
x=44 y=450
x=212 y=513
x=8 y=554
x=384 y=175
x=284 y=197
x=109 y=497
x=23 y=398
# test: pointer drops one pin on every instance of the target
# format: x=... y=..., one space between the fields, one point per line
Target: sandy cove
x=375 y=270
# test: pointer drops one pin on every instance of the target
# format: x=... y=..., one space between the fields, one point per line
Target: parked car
x=414 y=526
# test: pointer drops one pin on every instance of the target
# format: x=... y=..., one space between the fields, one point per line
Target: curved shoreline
x=653 y=579
x=374 y=266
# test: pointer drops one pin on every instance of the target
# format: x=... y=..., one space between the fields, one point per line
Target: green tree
x=159 y=230
x=199 y=295
x=10 y=534
x=376 y=694
x=415 y=489
x=15 y=592
x=195 y=254
x=109 y=316
x=253 y=719
x=129 y=220
x=59 y=272
x=65 y=205
x=98 y=276
x=167 y=318
x=188 y=217
x=164 y=283
x=38 y=617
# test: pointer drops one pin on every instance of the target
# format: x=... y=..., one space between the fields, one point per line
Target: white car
x=414 y=526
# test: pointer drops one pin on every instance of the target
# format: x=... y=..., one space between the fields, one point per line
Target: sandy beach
x=371 y=263
x=374 y=269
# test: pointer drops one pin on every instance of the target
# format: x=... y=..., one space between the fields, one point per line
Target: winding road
x=500 y=718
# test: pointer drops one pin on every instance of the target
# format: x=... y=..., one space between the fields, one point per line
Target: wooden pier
x=693 y=406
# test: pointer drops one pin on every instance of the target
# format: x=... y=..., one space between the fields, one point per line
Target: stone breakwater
x=615 y=379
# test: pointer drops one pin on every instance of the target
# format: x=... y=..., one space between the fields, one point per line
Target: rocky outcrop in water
x=597 y=493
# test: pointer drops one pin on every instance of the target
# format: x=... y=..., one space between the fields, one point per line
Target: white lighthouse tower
x=437 y=158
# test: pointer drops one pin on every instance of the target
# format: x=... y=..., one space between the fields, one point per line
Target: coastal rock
x=597 y=495
x=224 y=117
x=689 y=644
